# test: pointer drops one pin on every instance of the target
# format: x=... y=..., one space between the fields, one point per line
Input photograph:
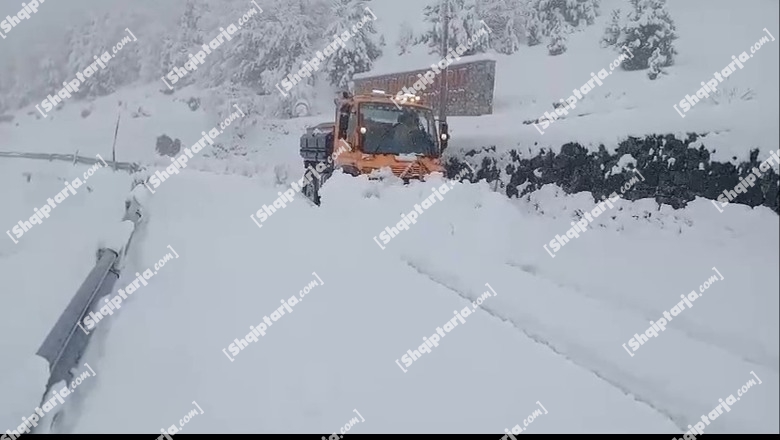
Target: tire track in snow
x=677 y=419
x=689 y=328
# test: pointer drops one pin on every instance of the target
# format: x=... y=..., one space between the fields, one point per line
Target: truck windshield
x=390 y=130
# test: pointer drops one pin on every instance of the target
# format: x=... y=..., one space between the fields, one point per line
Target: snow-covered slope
x=529 y=81
x=553 y=336
x=553 y=333
x=40 y=274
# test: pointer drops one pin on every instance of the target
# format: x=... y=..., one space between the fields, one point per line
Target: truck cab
x=380 y=130
x=374 y=131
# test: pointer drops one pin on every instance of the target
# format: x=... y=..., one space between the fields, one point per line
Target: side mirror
x=444 y=136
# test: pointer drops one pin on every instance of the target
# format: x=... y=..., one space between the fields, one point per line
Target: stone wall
x=675 y=174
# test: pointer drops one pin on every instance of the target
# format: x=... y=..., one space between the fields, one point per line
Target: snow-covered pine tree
x=81 y=48
x=282 y=106
x=52 y=74
x=649 y=27
x=293 y=33
x=585 y=10
x=242 y=62
x=140 y=60
x=15 y=88
x=360 y=50
x=405 y=38
x=510 y=36
x=126 y=66
x=7 y=81
x=612 y=31
x=73 y=50
x=85 y=43
x=186 y=38
x=656 y=63
x=506 y=19
x=464 y=23
x=558 y=35
x=149 y=54
x=534 y=29
x=575 y=13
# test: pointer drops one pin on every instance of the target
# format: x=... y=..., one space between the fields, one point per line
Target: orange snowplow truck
x=373 y=131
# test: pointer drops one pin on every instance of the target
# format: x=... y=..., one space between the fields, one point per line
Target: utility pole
x=444 y=49
x=113 y=147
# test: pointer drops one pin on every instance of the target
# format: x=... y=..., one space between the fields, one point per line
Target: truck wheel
x=312 y=191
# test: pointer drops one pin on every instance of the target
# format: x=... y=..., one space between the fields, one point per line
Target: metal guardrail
x=126 y=166
x=65 y=344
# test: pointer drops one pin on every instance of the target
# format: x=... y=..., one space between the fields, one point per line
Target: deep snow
x=554 y=333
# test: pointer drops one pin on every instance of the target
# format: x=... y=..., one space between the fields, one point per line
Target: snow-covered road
x=552 y=338
x=553 y=334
